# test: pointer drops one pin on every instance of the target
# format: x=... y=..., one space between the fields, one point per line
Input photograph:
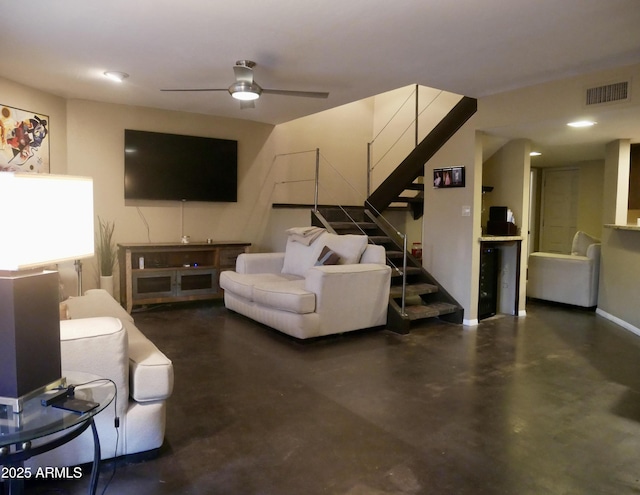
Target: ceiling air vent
x=608 y=93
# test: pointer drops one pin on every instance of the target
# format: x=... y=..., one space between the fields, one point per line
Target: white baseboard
x=522 y=312
x=618 y=321
x=470 y=323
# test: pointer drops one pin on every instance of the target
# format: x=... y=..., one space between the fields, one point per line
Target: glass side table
x=18 y=430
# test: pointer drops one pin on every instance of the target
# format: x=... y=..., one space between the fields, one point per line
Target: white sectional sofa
x=101 y=338
x=291 y=293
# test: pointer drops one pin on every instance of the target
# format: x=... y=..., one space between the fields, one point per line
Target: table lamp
x=44 y=219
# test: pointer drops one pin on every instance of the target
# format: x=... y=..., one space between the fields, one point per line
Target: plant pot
x=106 y=283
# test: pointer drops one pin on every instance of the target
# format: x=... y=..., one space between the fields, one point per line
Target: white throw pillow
x=298 y=258
x=348 y=246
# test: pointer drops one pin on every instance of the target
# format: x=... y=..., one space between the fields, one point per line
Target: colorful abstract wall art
x=24 y=141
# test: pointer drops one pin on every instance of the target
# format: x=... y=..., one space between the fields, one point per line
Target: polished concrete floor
x=546 y=404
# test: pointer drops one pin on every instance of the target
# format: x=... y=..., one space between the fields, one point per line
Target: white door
x=559 y=210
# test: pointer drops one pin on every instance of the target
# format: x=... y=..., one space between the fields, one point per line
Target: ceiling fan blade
x=243 y=73
x=197 y=89
x=307 y=94
x=247 y=104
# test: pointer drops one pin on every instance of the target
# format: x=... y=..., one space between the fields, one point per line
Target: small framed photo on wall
x=448 y=177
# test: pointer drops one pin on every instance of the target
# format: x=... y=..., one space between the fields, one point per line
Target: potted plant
x=107 y=254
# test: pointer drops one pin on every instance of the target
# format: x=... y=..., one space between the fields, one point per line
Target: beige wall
x=620 y=262
x=590 y=196
x=619 y=275
x=341 y=134
x=96 y=148
x=449 y=245
x=508 y=172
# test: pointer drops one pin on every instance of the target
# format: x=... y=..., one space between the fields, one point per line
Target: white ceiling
x=351 y=48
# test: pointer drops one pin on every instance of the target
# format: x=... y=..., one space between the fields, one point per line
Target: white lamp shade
x=44 y=219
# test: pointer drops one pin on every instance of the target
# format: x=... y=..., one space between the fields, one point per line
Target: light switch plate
x=466 y=211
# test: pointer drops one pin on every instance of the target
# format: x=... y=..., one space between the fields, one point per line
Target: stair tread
x=379 y=239
x=394 y=254
x=410 y=199
x=413 y=289
x=429 y=310
x=396 y=272
x=345 y=225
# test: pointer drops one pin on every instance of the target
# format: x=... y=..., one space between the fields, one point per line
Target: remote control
x=54 y=396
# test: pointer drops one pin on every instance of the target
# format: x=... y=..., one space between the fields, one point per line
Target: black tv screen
x=173 y=167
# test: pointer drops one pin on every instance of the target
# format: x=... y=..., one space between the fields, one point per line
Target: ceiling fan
x=247 y=90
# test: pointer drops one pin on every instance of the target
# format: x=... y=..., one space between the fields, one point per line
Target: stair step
x=410 y=199
x=414 y=186
x=411 y=270
x=429 y=310
x=413 y=290
x=359 y=226
x=380 y=239
x=394 y=254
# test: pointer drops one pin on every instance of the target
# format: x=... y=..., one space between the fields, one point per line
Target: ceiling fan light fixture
x=581 y=123
x=115 y=75
x=245 y=91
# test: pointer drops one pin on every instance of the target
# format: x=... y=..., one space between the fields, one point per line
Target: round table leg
x=95 y=469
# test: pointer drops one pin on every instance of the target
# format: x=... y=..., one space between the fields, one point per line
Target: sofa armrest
x=350 y=296
x=260 y=263
x=150 y=371
x=97 y=346
x=374 y=254
x=593 y=251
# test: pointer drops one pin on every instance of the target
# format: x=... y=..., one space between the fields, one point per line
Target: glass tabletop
x=37 y=421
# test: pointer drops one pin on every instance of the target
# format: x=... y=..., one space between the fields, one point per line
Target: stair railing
x=412 y=124
x=318 y=186
x=377 y=213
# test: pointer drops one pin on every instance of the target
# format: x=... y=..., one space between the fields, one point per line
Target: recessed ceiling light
x=581 y=123
x=116 y=76
x=535 y=153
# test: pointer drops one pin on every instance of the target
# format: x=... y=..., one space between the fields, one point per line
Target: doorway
x=559 y=220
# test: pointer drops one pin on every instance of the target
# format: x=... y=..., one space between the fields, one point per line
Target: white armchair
x=567 y=278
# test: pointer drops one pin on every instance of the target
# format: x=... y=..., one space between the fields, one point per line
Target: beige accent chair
x=567 y=278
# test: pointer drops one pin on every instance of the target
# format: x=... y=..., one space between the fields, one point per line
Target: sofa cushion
x=242 y=284
x=286 y=296
x=581 y=242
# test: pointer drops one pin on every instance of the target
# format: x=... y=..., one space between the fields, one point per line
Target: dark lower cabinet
x=489 y=267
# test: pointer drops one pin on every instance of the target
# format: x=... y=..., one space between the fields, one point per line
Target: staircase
x=424 y=296
x=407 y=176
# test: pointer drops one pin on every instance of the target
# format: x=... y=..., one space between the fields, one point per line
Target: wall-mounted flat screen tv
x=173 y=167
